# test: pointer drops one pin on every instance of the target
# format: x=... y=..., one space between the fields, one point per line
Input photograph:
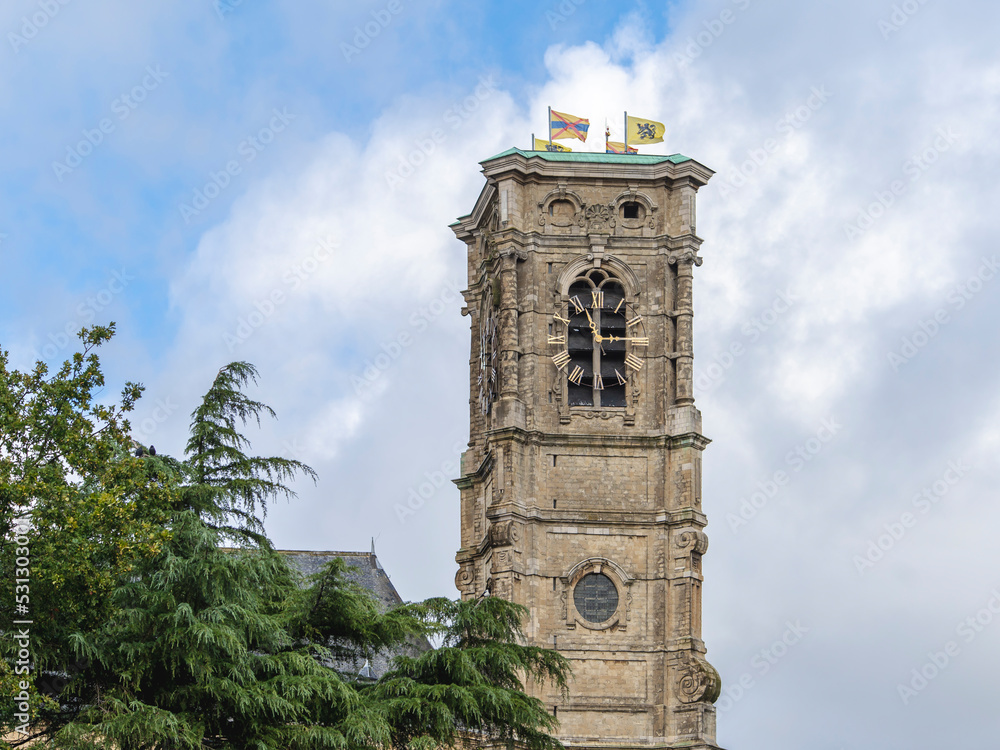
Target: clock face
x=488 y=346
x=600 y=339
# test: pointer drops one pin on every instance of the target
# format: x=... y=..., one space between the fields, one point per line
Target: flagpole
x=532 y=142
x=550 y=126
x=626 y=131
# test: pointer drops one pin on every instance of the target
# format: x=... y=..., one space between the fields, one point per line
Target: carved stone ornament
x=599 y=217
x=513 y=250
x=692 y=540
x=697 y=680
x=504 y=534
x=684 y=256
x=598 y=414
x=465 y=578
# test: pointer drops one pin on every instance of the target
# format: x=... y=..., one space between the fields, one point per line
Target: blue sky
x=846 y=310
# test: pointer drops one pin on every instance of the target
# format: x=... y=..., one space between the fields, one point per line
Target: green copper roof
x=595 y=157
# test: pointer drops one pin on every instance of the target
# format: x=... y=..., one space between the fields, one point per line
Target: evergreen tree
x=471 y=687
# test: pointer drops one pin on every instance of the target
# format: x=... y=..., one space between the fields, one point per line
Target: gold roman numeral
x=563 y=320
x=633 y=362
x=560 y=339
x=561 y=359
x=598 y=382
x=577 y=375
x=634 y=322
x=640 y=340
x=577 y=305
x=621 y=379
x=598 y=299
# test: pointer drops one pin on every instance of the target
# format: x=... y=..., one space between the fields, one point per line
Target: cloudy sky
x=274 y=183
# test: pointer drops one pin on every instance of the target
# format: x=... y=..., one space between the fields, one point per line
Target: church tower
x=581 y=487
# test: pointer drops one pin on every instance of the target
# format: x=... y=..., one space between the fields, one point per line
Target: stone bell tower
x=581 y=487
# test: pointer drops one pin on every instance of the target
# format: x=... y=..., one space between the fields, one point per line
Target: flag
x=541 y=145
x=567 y=126
x=613 y=147
x=644 y=131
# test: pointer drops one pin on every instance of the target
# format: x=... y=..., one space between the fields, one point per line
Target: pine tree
x=200 y=655
x=471 y=687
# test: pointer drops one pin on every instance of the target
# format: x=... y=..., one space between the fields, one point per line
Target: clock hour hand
x=593 y=327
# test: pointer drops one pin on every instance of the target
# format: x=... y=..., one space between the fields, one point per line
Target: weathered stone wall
x=553 y=494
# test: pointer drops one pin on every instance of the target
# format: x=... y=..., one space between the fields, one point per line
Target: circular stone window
x=595 y=597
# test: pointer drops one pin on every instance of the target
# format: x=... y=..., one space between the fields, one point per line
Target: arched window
x=596 y=340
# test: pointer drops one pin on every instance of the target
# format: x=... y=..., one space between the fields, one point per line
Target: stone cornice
x=519 y=166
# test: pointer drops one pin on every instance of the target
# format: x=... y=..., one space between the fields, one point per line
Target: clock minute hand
x=638 y=340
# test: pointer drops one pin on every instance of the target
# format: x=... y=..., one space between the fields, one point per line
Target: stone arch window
x=597 y=595
x=562 y=209
x=599 y=304
x=632 y=210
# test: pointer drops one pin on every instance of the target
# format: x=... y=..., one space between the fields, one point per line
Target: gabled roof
x=365 y=570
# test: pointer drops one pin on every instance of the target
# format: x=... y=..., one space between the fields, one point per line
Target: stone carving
x=512 y=251
x=697 y=680
x=684 y=256
x=504 y=534
x=599 y=414
x=465 y=578
x=599 y=217
x=692 y=540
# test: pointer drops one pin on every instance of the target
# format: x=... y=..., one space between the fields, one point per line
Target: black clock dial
x=600 y=339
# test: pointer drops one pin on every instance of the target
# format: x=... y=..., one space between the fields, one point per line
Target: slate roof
x=364 y=569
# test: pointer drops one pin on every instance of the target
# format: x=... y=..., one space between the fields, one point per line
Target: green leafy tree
x=84 y=503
